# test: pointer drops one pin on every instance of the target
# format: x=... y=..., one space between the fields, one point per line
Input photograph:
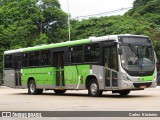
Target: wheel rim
x=93 y=88
x=32 y=87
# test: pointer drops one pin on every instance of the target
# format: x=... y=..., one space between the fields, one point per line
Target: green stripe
x=69 y=43
x=147 y=78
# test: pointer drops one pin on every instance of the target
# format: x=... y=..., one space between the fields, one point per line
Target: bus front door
x=58 y=63
x=111 y=65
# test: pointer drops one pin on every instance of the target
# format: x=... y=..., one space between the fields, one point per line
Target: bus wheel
x=124 y=92
x=93 y=89
x=59 y=91
x=32 y=88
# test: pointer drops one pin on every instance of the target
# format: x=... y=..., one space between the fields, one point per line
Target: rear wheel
x=32 y=88
x=124 y=92
x=93 y=88
x=59 y=91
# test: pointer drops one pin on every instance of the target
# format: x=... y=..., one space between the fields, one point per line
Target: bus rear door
x=58 y=63
x=12 y=70
x=17 y=67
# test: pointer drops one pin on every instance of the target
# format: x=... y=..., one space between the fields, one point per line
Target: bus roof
x=13 y=51
x=55 y=45
x=49 y=46
x=69 y=43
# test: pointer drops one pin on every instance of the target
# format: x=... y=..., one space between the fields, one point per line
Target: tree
x=26 y=23
x=149 y=9
x=110 y=25
x=52 y=19
x=17 y=28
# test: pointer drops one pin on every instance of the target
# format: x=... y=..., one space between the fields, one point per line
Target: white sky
x=88 y=7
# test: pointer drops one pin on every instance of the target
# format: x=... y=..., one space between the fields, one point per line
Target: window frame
x=92 y=52
x=35 y=59
x=10 y=60
x=70 y=55
x=49 y=57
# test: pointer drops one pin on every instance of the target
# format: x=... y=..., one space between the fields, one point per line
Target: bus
x=117 y=63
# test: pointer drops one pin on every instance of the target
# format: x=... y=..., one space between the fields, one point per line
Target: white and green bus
x=117 y=63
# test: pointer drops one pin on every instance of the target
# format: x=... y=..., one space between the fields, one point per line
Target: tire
x=93 y=88
x=59 y=91
x=32 y=88
x=124 y=92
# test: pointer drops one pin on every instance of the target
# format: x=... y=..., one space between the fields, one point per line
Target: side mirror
x=120 y=51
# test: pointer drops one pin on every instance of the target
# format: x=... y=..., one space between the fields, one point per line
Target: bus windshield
x=137 y=57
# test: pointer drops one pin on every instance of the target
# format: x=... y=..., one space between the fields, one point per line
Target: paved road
x=19 y=100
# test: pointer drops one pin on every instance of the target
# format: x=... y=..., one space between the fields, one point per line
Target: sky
x=78 y=8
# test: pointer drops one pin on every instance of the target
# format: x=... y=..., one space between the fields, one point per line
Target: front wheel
x=93 y=89
x=32 y=88
x=124 y=92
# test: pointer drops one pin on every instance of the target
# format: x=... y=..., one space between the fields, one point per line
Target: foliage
x=26 y=23
x=149 y=9
x=110 y=25
x=53 y=19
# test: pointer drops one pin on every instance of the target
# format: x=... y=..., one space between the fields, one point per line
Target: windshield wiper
x=133 y=50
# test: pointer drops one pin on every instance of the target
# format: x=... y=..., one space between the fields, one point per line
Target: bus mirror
x=120 y=51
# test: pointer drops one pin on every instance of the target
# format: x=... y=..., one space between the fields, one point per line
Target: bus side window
x=88 y=53
x=92 y=53
x=45 y=57
x=31 y=59
x=17 y=62
x=34 y=58
x=37 y=58
x=8 y=61
x=25 y=60
x=76 y=54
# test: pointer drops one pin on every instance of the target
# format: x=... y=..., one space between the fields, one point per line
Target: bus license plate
x=143 y=86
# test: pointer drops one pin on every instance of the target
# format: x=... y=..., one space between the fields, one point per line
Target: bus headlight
x=125 y=77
